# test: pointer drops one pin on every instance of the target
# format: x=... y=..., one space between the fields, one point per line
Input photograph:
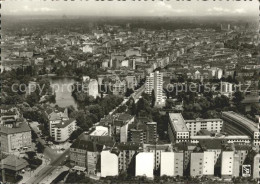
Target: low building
x=144 y=164
x=171 y=164
x=109 y=164
x=240 y=139
x=177 y=129
x=13 y=163
x=212 y=125
x=17 y=139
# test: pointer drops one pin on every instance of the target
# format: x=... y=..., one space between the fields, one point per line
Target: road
x=48 y=169
x=135 y=96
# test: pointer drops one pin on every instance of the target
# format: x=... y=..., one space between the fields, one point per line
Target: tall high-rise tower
x=155 y=82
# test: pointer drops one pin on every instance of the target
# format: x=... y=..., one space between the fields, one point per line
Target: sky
x=131 y=8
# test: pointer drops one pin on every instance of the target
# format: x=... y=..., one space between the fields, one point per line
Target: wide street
x=48 y=169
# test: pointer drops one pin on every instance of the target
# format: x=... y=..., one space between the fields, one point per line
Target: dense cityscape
x=130 y=100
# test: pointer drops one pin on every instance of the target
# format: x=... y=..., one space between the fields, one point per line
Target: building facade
x=177 y=129
x=17 y=139
x=154 y=82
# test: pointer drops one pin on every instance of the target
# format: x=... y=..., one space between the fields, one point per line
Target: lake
x=62 y=86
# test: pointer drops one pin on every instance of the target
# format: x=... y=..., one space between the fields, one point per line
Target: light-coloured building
x=171 y=164
x=17 y=139
x=212 y=125
x=90 y=86
x=55 y=117
x=202 y=163
x=229 y=164
x=242 y=151
x=9 y=116
x=155 y=82
x=241 y=139
x=100 y=131
x=177 y=129
x=144 y=164
x=237 y=121
x=109 y=164
x=256 y=166
x=157 y=150
x=127 y=152
x=63 y=130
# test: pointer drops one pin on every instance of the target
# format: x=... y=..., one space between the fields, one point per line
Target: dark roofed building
x=85 y=155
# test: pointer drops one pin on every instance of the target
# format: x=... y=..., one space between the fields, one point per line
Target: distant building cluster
x=200 y=147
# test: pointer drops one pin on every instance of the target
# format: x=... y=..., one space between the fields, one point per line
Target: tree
x=153 y=99
x=238 y=97
x=32 y=99
x=128 y=92
x=76 y=133
x=132 y=106
x=40 y=148
x=31 y=154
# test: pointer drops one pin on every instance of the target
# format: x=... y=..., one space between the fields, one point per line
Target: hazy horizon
x=131 y=8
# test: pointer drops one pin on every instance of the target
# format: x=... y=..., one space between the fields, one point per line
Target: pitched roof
x=87 y=145
x=22 y=127
x=14 y=163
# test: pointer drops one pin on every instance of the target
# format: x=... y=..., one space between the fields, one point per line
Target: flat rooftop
x=178 y=122
x=202 y=120
x=99 y=133
x=220 y=137
x=242 y=120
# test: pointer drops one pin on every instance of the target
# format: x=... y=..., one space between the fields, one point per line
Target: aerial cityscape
x=129 y=92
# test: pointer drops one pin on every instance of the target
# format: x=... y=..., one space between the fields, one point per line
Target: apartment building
x=214 y=146
x=143 y=131
x=171 y=164
x=177 y=129
x=212 y=125
x=9 y=116
x=15 y=139
x=157 y=150
x=154 y=82
x=256 y=166
x=202 y=163
x=144 y=164
x=109 y=163
x=242 y=151
x=62 y=131
x=127 y=154
x=229 y=164
x=186 y=148
x=120 y=125
x=85 y=154
x=55 y=117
